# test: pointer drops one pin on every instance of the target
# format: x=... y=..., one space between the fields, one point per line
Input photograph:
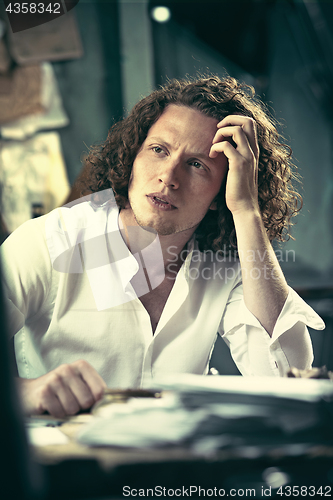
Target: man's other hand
x=63 y=391
x=236 y=137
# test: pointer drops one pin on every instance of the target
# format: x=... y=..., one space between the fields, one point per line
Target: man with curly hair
x=198 y=174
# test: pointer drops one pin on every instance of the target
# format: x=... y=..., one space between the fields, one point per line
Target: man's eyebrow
x=159 y=139
x=197 y=154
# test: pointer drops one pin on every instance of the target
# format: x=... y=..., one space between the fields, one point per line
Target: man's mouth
x=161 y=201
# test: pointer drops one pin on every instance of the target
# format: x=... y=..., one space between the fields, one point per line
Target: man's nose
x=170 y=173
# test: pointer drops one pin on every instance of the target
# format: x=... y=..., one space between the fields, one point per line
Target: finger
x=72 y=390
x=235 y=159
x=39 y=397
x=238 y=136
x=227 y=149
x=55 y=408
x=81 y=392
x=60 y=383
x=49 y=402
x=249 y=126
x=92 y=378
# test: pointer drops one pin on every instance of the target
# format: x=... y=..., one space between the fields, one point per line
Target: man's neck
x=136 y=238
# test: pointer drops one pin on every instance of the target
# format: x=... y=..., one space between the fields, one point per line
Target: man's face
x=174 y=182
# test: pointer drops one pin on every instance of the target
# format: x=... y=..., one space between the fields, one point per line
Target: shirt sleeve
x=26 y=273
x=254 y=351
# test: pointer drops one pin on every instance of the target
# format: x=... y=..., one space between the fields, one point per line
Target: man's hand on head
x=63 y=391
x=236 y=137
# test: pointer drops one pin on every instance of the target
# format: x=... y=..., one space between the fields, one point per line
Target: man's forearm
x=264 y=285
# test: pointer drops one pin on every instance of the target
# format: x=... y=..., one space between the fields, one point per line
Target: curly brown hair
x=109 y=165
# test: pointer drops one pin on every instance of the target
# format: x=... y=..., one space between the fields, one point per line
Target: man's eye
x=196 y=164
x=158 y=150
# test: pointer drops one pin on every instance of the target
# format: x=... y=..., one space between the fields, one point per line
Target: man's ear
x=213 y=205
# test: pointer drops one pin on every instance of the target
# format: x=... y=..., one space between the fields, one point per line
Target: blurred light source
x=275 y=478
x=161 y=14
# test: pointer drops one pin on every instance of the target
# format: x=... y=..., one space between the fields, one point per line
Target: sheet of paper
x=141 y=423
x=44 y=436
x=291 y=388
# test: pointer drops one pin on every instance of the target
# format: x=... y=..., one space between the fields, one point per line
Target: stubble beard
x=162 y=228
x=159 y=225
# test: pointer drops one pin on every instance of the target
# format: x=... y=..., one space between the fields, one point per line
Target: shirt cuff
x=295 y=310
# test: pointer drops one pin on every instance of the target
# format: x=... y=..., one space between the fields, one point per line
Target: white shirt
x=70 y=299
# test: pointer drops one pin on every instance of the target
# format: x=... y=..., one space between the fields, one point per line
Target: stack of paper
x=219 y=411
